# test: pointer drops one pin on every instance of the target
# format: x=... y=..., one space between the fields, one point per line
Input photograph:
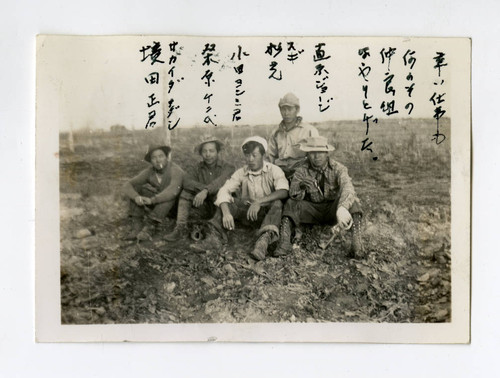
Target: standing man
x=262 y=186
x=283 y=149
x=321 y=192
x=153 y=192
x=200 y=186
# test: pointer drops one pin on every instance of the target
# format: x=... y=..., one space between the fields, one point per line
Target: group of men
x=299 y=183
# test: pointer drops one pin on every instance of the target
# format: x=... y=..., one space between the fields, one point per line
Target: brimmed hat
x=315 y=144
x=257 y=139
x=289 y=99
x=154 y=147
x=208 y=139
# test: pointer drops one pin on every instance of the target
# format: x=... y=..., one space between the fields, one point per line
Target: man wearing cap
x=153 y=192
x=200 y=186
x=321 y=192
x=262 y=186
x=283 y=150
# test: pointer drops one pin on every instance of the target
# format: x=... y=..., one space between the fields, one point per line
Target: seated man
x=200 y=186
x=283 y=150
x=321 y=192
x=262 y=186
x=153 y=192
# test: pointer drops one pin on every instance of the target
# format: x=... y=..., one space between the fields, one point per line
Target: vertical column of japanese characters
x=437 y=98
x=237 y=58
x=152 y=54
x=208 y=53
x=364 y=71
x=323 y=76
x=409 y=61
x=169 y=112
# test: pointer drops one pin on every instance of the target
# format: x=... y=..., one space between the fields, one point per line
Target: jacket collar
x=327 y=165
x=219 y=163
x=165 y=169
x=297 y=124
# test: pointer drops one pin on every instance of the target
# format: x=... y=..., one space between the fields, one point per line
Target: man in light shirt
x=283 y=149
x=261 y=186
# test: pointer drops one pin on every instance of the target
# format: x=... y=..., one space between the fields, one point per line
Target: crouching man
x=200 y=187
x=321 y=192
x=261 y=186
x=153 y=192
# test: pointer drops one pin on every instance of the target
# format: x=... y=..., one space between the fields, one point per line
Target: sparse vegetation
x=405 y=278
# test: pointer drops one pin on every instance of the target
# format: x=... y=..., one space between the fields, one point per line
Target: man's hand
x=253 y=211
x=344 y=218
x=147 y=201
x=200 y=198
x=139 y=200
x=150 y=187
x=227 y=218
x=308 y=184
x=228 y=221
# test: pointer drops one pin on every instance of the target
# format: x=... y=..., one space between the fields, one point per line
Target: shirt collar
x=264 y=169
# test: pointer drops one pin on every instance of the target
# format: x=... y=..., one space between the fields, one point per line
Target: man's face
x=318 y=159
x=158 y=159
x=289 y=113
x=209 y=153
x=254 y=160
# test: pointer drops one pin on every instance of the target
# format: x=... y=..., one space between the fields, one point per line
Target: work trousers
x=269 y=216
x=301 y=211
x=156 y=212
x=186 y=210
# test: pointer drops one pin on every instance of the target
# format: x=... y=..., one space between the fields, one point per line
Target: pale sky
x=100 y=81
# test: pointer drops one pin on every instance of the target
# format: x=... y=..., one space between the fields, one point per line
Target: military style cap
x=257 y=139
x=289 y=99
x=154 y=147
x=208 y=139
x=315 y=144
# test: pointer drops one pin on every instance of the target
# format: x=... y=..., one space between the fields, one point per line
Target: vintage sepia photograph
x=275 y=188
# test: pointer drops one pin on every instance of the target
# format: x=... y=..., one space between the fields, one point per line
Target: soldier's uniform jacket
x=337 y=185
x=283 y=150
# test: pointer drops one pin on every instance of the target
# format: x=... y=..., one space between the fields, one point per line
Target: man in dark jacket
x=200 y=186
x=153 y=192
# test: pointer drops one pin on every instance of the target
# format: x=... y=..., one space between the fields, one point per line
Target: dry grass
x=405 y=278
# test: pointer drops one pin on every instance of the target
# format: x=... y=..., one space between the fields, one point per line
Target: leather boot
x=356 y=245
x=180 y=229
x=260 y=250
x=285 y=245
x=148 y=230
x=179 y=232
x=136 y=225
x=213 y=239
